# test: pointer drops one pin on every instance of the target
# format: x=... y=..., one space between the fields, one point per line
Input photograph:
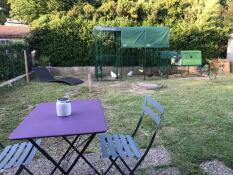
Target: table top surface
x=87 y=118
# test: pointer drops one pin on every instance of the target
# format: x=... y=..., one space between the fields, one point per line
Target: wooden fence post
x=89 y=79
x=26 y=65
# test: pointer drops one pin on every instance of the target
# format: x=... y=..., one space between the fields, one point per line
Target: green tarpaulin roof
x=145 y=37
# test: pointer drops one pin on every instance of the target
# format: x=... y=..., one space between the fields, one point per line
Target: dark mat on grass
x=45 y=76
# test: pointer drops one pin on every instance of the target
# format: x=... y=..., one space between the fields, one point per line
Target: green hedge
x=63 y=41
x=12 y=60
x=65 y=37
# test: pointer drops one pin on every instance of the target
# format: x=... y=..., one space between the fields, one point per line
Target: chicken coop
x=119 y=48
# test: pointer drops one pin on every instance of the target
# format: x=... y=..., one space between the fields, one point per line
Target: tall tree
x=228 y=15
x=4 y=11
x=30 y=10
x=27 y=10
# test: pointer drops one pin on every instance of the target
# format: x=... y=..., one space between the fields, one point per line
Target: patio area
x=197 y=125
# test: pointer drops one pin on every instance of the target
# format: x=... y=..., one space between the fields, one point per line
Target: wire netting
x=12 y=61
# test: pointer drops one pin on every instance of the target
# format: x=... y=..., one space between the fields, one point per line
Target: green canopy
x=145 y=37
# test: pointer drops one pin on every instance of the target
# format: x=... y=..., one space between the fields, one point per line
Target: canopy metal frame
x=119 y=57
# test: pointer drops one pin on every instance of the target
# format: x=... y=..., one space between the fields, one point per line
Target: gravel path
x=164 y=171
x=156 y=156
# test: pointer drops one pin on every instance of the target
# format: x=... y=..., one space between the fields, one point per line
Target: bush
x=208 y=40
x=65 y=37
x=12 y=60
x=64 y=41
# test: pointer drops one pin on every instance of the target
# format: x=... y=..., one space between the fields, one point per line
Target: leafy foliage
x=62 y=30
x=4 y=9
x=12 y=60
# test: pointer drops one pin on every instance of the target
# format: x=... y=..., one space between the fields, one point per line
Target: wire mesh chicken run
x=118 y=49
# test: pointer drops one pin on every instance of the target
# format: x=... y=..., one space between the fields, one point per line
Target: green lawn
x=197 y=125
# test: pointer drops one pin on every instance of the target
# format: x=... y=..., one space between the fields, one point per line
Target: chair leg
x=21 y=168
x=136 y=166
x=114 y=163
x=1 y=146
x=26 y=169
x=19 y=171
x=118 y=168
x=123 y=161
x=110 y=166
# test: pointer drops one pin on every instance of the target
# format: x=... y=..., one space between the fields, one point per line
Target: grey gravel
x=148 y=86
x=168 y=171
x=216 y=167
x=156 y=156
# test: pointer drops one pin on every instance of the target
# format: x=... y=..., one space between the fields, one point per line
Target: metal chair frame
x=157 y=118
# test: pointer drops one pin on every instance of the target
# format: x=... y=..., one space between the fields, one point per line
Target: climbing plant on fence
x=12 y=60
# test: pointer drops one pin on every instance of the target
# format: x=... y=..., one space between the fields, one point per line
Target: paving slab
x=216 y=167
x=148 y=86
x=163 y=171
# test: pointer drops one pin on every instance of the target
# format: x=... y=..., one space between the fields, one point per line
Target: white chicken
x=130 y=74
x=113 y=75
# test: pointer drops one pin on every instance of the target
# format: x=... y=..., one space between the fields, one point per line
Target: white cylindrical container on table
x=63 y=107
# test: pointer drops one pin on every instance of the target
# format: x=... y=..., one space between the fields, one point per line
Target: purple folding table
x=87 y=118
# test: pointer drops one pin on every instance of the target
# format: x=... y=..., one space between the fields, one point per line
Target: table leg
x=48 y=156
x=64 y=155
x=81 y=152
x=81 y=155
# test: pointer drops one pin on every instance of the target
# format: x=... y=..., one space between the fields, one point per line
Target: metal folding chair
x=17 y=156
x=119 y=146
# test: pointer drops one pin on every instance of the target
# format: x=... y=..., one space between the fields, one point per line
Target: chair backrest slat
x=153 y=110
x=154 y=103
x=152 y=114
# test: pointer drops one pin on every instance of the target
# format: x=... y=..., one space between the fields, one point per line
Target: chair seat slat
x=24 y=155
x=103 y=145
x=33 y=153
x=112 y=147
x=133 y=146
x=16 y=156
x=126 y=147
x=119 y=146
x=4 y=152
x=9 y=155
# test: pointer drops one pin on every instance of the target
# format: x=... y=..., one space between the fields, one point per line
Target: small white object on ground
x=130 y=74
